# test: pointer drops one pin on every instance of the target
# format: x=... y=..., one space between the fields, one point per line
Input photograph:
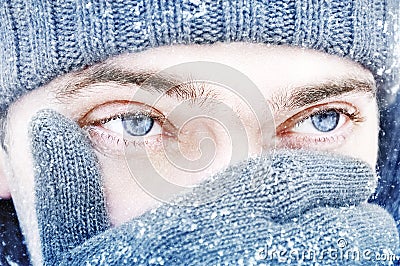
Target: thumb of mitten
x=69 y=197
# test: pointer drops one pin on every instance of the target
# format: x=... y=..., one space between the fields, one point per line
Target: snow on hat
x=41 y=40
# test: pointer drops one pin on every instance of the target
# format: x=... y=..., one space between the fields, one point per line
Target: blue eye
x=138 y=124
x=325 y=125
x=321 y=121
x=325 y=121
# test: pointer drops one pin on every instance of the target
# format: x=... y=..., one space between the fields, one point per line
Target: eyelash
x=157 y=117
x=109 y=142
x=289 y=139
x=354 y=116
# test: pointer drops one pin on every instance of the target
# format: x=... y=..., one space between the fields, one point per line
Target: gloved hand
x=288 y=200
x=69 y=192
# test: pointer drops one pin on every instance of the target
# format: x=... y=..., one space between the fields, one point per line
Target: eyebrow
x=301 y=96
x=153 y=81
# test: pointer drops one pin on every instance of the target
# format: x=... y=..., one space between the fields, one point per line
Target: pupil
x=137 y=125
x=326 y=121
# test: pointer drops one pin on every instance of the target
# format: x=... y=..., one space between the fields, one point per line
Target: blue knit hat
x=44 y=39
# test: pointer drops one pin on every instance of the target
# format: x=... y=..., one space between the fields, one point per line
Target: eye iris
x=137 y=125
x=326 y=121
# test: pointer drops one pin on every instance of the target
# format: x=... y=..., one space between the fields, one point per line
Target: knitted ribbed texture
x=298 y=200
x=68 y=187
x=43 y=39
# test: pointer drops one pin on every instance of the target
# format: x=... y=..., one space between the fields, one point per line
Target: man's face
x=316 y=101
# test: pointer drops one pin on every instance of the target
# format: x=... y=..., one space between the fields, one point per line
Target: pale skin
x=278 y=73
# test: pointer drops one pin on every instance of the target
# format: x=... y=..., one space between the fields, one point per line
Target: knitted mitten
x=69 y=193
x=285 y=201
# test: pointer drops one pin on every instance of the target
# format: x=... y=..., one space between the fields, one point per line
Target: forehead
x=275 y=70
x=270 y=67
x=278 y=72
